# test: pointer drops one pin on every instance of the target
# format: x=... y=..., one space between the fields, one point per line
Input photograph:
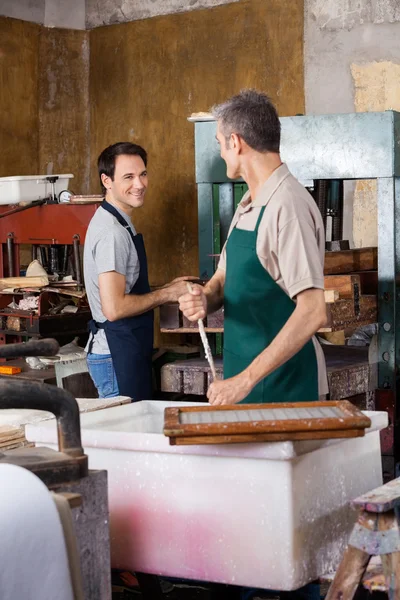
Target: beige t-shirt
x=290 y=240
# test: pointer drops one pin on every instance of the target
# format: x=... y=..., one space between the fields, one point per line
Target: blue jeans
x=102 y=372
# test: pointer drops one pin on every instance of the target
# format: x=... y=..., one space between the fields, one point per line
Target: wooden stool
x=375 y=533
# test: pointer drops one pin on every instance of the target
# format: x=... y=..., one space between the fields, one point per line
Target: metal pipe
x=46 y=347
x=43 y=257
x=54 y=265
x=77 y=260
x=64 y=264
x=18 y=393
x=21 y=208
x=337 y=195
x=10 y=254
x=321 y=197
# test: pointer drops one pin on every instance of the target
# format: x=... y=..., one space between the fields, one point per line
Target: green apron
x=256 y=309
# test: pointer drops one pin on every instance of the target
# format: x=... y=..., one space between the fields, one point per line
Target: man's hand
x=184 y=278
x=194 y=304
x=177 y=288
x=229 y=391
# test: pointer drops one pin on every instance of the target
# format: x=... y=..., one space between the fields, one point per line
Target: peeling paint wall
x=351 y=63
x=64 y=105
x=148 y=76
x=109 y=12
x=19 y=72
x=44 y=101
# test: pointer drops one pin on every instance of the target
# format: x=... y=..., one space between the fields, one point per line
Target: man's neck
x=128 y=210
x=258 y=169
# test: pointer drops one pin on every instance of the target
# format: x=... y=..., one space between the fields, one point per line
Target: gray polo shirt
x=108 y=247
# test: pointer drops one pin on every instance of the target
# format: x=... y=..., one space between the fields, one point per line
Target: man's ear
x=236 y=143
x=106 y=180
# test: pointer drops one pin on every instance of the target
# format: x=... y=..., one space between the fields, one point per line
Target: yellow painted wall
x=44 y=101
x=64 y=104
x=19 y=76
x=147 y=76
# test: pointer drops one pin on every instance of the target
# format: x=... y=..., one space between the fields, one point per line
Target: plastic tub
x=268 y=515
x=30 y=187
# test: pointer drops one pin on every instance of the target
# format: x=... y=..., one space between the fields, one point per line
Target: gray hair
x=251 y=115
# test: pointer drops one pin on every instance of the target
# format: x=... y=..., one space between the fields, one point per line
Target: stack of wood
x=13 y=437
x=351 y=284
x=351 y=287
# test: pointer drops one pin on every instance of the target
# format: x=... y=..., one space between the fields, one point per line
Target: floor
x=179 y=590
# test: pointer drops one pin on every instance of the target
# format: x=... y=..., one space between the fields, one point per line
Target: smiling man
x=270 y=275
x=116 y=279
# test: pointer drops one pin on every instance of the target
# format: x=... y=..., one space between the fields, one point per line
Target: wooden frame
x=351 y=422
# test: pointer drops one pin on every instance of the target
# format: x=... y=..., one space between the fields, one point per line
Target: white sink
x=269 y=515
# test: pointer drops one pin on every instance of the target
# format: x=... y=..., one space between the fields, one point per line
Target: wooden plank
x=381 y=499
x=74 y=293
x=282 y=417
x=9 y=433
x=23 y=282
x=349 y=574
x=349 y=261
x=74 y=500
x=341 y=314
x=264 y=437
x=347 y=285
x=331 y=296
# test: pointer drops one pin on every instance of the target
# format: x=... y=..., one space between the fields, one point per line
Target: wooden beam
x=350 y=261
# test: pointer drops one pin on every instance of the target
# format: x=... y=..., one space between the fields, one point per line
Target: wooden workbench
x=349 y=373
x=47 y=375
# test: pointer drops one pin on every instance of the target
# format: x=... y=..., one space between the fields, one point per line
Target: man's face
x=229 y=154
x=130 y=182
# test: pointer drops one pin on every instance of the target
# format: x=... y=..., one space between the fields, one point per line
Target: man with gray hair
x=270 y=275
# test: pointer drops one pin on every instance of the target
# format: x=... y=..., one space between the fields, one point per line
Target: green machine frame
x=334 y=147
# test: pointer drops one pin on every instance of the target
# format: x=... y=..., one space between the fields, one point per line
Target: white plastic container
x=30 y=187
x=267 y=515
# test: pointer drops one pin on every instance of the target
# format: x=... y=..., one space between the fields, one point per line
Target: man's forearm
x=131 y=305
x=298 y=330
x=214 y=291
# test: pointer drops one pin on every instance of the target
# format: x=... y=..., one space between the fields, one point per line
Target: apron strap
x=113 y=211
x=260 y=216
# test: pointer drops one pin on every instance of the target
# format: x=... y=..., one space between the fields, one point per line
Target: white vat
x=269 y=515
x=27 y=188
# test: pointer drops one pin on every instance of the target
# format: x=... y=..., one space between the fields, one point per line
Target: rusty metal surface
x=47 y=347
x=38 y=396
x=56 y=224
x=361 y=146
x=50 y=466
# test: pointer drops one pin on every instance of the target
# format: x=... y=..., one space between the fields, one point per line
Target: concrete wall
x=66 y=14
x=108 y=12
x=352 y=63
x=26 y=10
